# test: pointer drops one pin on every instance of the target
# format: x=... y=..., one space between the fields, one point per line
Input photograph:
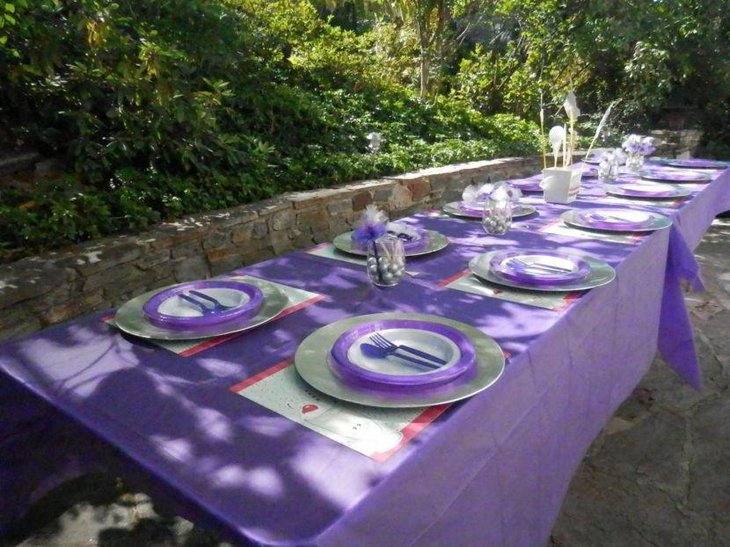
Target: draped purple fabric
x=492 y=470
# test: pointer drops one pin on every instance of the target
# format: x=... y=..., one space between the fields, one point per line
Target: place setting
x=528 y=185
x=541 y=270
x=374 y=224
x=616 y=220
x=675 y=176
x=692 y=163
x=201 y=309
x=399 y=360
x=647 y=190
x=476 y=199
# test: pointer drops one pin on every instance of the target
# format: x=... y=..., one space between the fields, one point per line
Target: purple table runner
x=222 y=459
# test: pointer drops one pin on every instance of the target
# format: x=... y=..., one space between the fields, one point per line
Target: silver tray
x=521 y=210
x=657 y=223
x=131 y=318
x=435 y=242
x=311 y=362
x=600 y=274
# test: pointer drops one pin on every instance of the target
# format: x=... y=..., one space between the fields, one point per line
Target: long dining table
x=492 y=469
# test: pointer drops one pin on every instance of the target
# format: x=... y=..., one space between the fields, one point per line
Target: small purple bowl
x=356 y=375
x=249 y=307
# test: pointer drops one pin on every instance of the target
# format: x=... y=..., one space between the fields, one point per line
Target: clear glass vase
x=497 y=216
x=607 y=171
x=634 y=162
x=386 y=261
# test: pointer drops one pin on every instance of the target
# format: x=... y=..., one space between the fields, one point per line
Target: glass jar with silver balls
x=497 y=215
x=386 y=261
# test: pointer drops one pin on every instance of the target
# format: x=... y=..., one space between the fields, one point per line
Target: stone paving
x=658 y=475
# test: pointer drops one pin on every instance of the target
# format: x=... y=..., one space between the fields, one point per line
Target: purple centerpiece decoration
x=172 y=309
x=456 y=349
x=370 y=227
x=539 y=267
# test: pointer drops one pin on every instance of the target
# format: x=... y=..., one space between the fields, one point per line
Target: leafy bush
x=161 y=109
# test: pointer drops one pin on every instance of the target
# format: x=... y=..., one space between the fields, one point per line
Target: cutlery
x=545 y=267
x=382 y=342
x=401 y=235
x=190 y=300
x=376 y=352
x=217 y=306
x=613 y=218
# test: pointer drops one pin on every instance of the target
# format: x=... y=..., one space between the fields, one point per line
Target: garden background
x=154 y=109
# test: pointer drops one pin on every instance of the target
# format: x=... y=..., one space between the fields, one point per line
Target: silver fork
x=382 y=342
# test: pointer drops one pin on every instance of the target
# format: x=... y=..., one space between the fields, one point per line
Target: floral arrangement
x=609 y=164
x=475 y=193
x=615 y=156
x=372 y=225
x=636 y=144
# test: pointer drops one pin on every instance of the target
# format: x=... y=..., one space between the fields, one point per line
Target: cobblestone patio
x=658 y=475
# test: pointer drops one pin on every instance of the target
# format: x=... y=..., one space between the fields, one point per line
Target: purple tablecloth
x=492 y=470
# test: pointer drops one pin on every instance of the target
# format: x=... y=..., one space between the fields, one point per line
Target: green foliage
x=165 y=108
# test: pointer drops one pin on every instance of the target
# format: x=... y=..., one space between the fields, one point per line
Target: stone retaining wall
x=39 y=291
x=44 y=290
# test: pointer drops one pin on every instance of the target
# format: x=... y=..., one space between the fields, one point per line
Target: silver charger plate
x=657 y=222
x=435 y=242
x=600 y=274
x=312 y=363
x=521 y=210
x=131 y=318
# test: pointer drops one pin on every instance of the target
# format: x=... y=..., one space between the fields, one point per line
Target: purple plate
x=472 y=208
x=168 y=309
x=590 y=171
x=391 y=372
x=594 y=159
x=615 y=219
x=674 y=176
x=646 y=191
x=530 y=184
x=539 y=267
x=697 y=164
